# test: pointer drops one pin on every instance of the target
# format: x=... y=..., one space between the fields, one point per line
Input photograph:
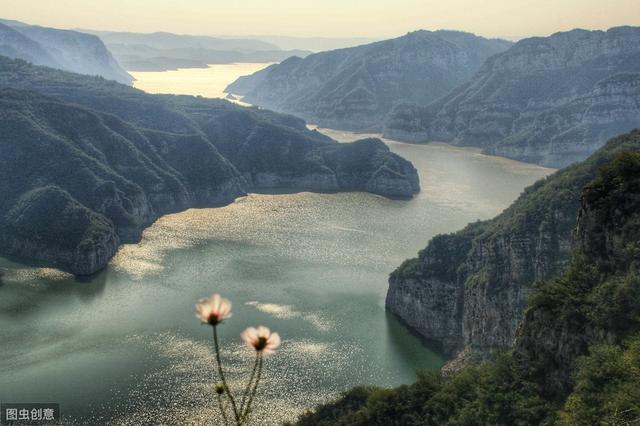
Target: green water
x=125 y=347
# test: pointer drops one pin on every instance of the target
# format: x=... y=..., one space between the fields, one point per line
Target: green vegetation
x=50 y=215
x=488 y=394
x=606 y=391
x=607 y=387
x=576 y=359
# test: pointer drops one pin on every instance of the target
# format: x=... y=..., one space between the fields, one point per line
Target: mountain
x=355 y=88
x=547 y=100
x=14 y=44
x=140 y=57
x=163 y=51
x=468 y=291
x=62 y=49
x=165 y=40
x=314 y=44
x=576 y=354
x=86 y=164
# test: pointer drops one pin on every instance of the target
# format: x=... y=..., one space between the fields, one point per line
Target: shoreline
x=445 y=146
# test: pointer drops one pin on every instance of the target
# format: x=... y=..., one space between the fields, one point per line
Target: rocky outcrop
x=67 y=235
x=551 y=101
x=62 y=49
x=355 y=88
x=364 y=165
x=90 y=168
x=468 y=290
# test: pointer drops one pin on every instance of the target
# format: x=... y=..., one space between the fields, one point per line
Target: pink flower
x=261 y=339
x=213 y=310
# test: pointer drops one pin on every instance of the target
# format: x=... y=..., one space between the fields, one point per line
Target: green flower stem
x=222 y=410
x=245 y=394
x=247 y=411
x=221 y=373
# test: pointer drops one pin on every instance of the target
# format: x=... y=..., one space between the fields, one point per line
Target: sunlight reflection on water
x=208 y=82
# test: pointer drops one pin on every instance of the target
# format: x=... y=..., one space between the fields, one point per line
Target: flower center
x=260 y=344
x=214 y=319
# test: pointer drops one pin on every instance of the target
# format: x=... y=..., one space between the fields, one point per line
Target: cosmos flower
x=261 y=339
x=213 y=310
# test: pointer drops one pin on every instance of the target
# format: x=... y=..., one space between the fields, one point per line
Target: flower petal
x=225 y=308
x=274 y=341
x=249 y=335
x=215 y=302
x=203 y=310
x=263 y=331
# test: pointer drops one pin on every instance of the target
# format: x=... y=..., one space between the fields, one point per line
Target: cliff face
x=469 y=290
x=355 y=88
x=90 y=168
x=597 y=300
x=62 y=49
x=550 y=101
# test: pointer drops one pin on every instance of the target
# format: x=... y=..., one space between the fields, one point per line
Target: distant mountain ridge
x=63 y=49
x=314 y=44
x=140 y=57
x=166 y=40
x=354 y=88
x=547 y=100
x=161 y=51
x=86 y=164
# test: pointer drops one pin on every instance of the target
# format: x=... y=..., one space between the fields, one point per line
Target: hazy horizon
x=374 y=19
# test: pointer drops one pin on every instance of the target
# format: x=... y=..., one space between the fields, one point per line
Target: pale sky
x=330 y=18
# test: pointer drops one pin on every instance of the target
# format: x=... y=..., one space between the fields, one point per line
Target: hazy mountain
x=163 y=51
x=315 y=44
x=548 y=100
x=355 y=88
x=86 y=163
x=140 y=57
x=165 y=40
x=63 y=49
x=14 y=44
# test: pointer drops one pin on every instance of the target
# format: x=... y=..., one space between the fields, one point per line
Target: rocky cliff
x=469 y=290
x=63 y=49
x=86 y=164
x=596 y=301
x=354 y=88
x=547 y=100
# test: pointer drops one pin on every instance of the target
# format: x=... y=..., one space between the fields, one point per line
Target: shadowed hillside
x=86 y=163
x=355 y=88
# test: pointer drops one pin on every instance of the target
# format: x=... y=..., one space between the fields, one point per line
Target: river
x=125 y=348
